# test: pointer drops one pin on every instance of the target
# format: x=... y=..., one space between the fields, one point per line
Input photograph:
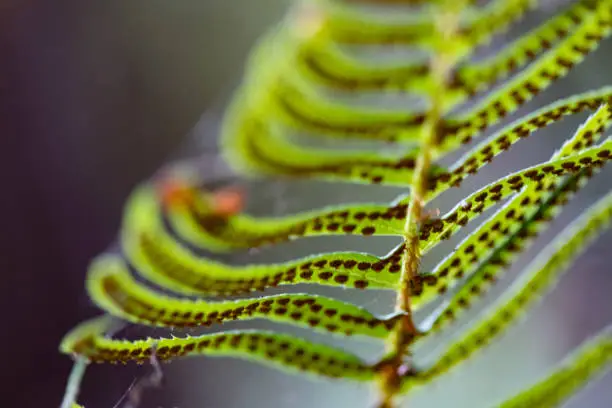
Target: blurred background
x=97 y=95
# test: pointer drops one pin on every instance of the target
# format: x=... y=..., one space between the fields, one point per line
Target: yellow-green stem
x=74 y=383
x=399 y=340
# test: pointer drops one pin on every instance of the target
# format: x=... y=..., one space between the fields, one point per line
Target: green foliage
x=301 y=79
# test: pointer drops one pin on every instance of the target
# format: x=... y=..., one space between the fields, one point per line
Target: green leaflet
x=167 y=263
x=495 y=19
x=342 y=26
x=113 y=289
x=277 y=350
x=539 y=277
x=591 y=359
x=589 y=132
x=324 y=65
x=305 y=111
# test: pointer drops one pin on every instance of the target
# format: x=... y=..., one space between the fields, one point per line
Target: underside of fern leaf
x=304 y=89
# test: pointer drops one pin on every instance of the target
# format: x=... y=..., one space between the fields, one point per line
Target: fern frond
x=277 y=350
x=112 y=288
x=592 y=359
x=313 y=79
x=538 y=278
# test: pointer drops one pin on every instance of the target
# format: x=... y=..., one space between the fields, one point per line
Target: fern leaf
x=164 y=262
x=277 y=350
x=113 y=289
x=591 y=359
x=539 y=277
x=364 y=167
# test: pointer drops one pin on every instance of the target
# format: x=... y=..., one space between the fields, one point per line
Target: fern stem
x=74 y=383
x=393 y=367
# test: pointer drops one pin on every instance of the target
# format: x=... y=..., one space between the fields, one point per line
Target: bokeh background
x=97 y=95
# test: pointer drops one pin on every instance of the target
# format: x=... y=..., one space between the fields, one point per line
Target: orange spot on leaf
x=174 y=191
x=228 y=201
